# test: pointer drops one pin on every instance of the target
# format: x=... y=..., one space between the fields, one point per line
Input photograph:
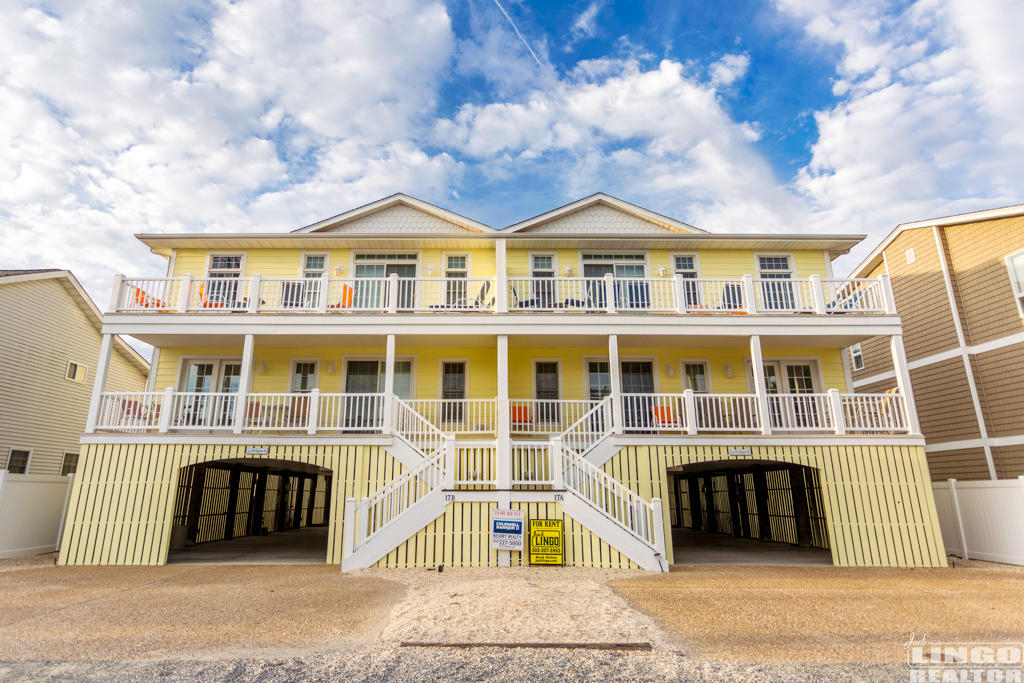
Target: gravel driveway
x=312 y=623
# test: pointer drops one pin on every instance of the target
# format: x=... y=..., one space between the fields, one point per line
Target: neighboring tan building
x=959 y=288
x=393 y=374
x=49 y=342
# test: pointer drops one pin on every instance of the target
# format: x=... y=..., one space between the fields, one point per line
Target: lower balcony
x=317 y=413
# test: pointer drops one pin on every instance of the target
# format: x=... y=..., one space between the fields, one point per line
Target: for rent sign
x=546 y=542
x=507 y=529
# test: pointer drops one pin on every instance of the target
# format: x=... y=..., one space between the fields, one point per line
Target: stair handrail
x=604 y=406
x=603 y=492
x=404 y=417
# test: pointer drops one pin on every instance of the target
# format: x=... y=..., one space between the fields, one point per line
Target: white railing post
x=116 y=294
x=388 y=415
x=557 y=473
x=184 y=293
x=348 y=534
x=658 y=520
x=757 y=368
x=165 y=411
x=313 y=414
x=500 y=278
x=887 y=294
x=817 y=294
x=321 y=302
x=255 y=292
x=835 y=401
x=680 y=293
x=449 y=462
x=749 y=295
x=393 y=293
x=690 y=411
x=615 y=374
x=959 y=517
x=609 y=293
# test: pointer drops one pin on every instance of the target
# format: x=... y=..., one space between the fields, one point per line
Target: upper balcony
x=675 y=295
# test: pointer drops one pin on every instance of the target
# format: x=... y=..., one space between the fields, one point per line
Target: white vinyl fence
x=982 y=520
x=32 y=508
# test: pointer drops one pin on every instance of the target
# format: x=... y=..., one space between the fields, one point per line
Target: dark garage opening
x=251 y=512
x=747 y=512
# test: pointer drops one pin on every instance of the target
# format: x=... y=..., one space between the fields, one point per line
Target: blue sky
x=843 y=116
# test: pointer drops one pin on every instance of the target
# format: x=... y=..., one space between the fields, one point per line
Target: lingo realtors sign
x=507 y=529
x=546 y=545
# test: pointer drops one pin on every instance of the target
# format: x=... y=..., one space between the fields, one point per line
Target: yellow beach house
x=398 y=376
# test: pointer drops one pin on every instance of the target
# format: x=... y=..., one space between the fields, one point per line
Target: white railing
x=669 y=295
x=653 y=412
x=202 y=411
x=593 y=426
x=278 y=412
x=531 y=463
x=351 y=412
x=387 y=504
x=415 y=429
x=458 y=416
x=875 y=413
x=475 y=464
x=543 y=416
x=726 y=412
x=855 y=295
x=800 y=412
x=130 y=411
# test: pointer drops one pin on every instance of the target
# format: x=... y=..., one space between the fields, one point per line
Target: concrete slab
x=699 y=548
x=297 y=546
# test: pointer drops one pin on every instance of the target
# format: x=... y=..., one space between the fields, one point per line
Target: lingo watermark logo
x=964 y=662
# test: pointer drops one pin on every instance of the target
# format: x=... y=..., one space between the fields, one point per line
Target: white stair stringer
x=613 y=533
x=602 y=451
x=404 y=452
x=398 y=531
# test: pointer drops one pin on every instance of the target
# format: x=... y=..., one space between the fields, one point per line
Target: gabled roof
x=85 y=303
x=458 y=222
x=872 y=260
x=658 y=222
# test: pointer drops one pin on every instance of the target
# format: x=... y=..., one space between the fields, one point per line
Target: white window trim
x=81 y=365
x=440 y=377
x=554 y=262
x=611 y=252
x=655 y=370
x=854 y=356
x=707 y=372
x=241 y=267
x=302 y=262
x=184 y=360
x=444 y=262
x=381 y=359
x=766 y=254
x=356 y=252
x=533 y=376
x=63 y=459
x=584 y=367
x=291 y=372
x=1017 y=295
x=28 y=460
x=696 y=262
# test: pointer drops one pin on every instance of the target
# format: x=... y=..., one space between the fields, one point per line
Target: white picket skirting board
x=32 y=508
x=986 y=516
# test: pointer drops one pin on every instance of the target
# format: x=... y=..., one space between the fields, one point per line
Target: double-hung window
x=686 y=268
x=1015 y=264
x=222 y=287
x=314 y=266
x=456 y=270
x=542 y=269
x=696 y=376
x=775 y=274
x=857 y=357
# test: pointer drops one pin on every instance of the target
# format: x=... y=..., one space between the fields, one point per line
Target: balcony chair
x=144 y=300
x=463 y=303
x=221 y=299
x=664 y=417
x=843 y=304
x=518 y=303
x=521 y=417
x=348 y=295
x=298 y=410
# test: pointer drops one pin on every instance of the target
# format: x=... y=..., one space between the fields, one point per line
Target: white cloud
x=729 y=69
x=585 y=25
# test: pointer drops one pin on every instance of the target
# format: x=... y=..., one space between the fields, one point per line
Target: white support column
x=615 y=373
x=503 y=418
x=835 y=402
x=680 y=292
x=313 y=414
x=449 y=463
x=154 y=363
x=325 y=284
x=393 y=293
x=557 y=462
x=116 y=294
x=500 y=278
x=166 y=409
x=890 y=298
x=255 y=292
x=389 y=384
x=184 y=292
x=99 y=382
x=609 y=293
x=757 y=366
x=899 y=362
x=244 y=383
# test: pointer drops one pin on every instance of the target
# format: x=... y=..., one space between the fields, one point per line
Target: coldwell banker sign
x=507 y=529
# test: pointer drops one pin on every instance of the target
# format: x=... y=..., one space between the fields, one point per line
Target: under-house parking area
x=747 y=512
x=251 y=512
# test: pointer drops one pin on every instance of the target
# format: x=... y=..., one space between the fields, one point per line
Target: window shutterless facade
x=456 y=267
x=75 y=372
x=857 y=357
x=542 y=266
x=685 y=266
x=69 y=464
x=17 y=461
x=774 y=271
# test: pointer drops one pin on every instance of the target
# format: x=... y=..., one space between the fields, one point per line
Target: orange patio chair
x=664 y=417
x=521 y=416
